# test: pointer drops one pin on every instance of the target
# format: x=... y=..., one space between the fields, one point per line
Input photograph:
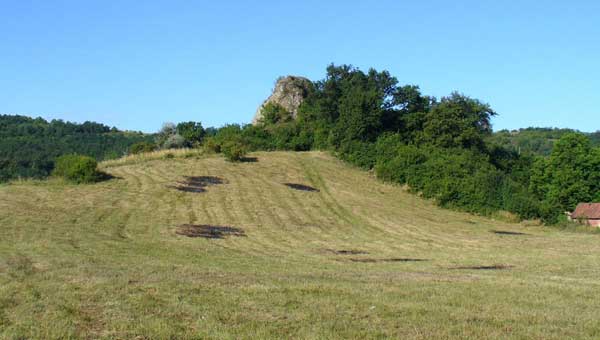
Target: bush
x=210 y=145
x=359 y=153
x=274 y=113
x=233 y=151
x=192 y=132
x=77 y=169
x=142 y=147
x=175 y=141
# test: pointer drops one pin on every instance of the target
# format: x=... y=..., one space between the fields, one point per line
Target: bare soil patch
x=301 y=187
x=485 y=267
x=401 y=259
x=197 y=184
x=208 y=231
x=504 y=232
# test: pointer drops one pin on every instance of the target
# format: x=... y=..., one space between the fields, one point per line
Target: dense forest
x=30 y=146
x=443 y=149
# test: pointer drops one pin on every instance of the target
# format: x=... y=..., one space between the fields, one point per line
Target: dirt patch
x=346 y=251
x=208 y=231
x=301 y=187
x=196 y=184
x=504 y=232
x=402 y=259
x=490 y=267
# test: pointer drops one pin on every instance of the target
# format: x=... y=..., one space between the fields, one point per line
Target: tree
x=167 y=130
x=458 y=121
x=175 y=141
x=273 y=113
x=142 y=147
x=192 y=132
x=30 y=146
x=570 y=175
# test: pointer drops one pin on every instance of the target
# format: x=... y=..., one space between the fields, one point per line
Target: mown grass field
x=105 y=260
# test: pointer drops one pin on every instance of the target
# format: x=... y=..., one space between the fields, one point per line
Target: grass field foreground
x=354 y=258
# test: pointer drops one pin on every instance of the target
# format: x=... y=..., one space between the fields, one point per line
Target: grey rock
x=289 y=92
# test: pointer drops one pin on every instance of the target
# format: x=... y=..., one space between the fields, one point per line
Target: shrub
x=210 y=145
x=274 y=113
x=192 y=132
x=77 y=169
x=233 y=151
x=142 y=147
x=175 y=141
x=359 y=153
x=168 y=129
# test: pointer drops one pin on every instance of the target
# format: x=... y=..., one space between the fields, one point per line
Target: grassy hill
x=355 y=259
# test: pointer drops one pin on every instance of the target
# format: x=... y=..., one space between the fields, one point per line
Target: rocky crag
x=289 y=92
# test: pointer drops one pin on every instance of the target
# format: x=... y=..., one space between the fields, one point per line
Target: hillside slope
x=356 y=259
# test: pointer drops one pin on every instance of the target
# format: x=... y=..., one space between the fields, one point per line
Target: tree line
x=29 y=147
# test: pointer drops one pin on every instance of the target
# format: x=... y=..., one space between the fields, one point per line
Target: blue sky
x=136 y=64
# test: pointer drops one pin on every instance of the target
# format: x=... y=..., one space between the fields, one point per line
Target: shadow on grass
x=503 y=232
x=196 y=184
x=301 y=187
x=105 y=176
x=490 y=267
x=249 y=160
x=346 y=251
x=402 y=259
x=208 y=231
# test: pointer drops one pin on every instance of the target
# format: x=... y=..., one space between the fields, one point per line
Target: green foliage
x=192 y=132
x=175 y=141
x=570 y=175
x=29 y=146
x=457 y=121
x=359 y=153
x=458 y=178
x=77 y=169
x=167 y=130
x=234 y=151
x=210 y=145
x=274 y=113
x=227 y=133
x=534 y=141
x=178 y=136
x=353 y=104
x=142 y=147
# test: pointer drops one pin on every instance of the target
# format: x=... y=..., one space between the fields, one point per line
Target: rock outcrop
x=289 y=92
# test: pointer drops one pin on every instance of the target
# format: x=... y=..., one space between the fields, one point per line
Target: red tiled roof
x=587 y=210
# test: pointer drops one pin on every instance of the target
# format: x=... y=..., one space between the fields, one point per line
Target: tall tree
x=458 y=121
x=570 y=175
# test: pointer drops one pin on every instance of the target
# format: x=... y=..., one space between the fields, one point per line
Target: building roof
x=587 y=210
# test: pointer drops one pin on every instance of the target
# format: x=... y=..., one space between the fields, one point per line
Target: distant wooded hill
x=29 y=146
x=535 y=141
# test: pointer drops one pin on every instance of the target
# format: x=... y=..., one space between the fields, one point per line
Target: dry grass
x=154 y=155
x=105 y=260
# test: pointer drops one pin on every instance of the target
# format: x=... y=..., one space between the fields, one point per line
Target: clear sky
x=136 y=64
